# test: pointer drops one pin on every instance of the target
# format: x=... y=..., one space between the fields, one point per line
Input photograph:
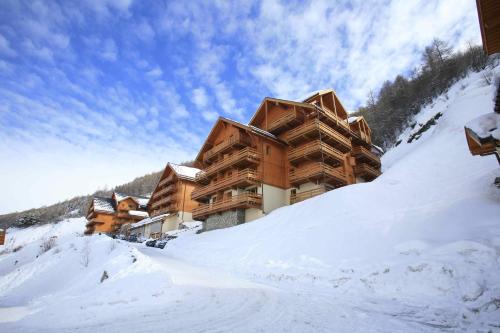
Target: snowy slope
x=417 y=250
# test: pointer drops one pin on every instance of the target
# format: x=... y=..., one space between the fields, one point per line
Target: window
x=293 y=192
x=268 y=149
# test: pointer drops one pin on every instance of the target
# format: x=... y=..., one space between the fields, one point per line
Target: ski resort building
x=289 y=152
x=2 y=236
x=171 y=202
x=108 y=215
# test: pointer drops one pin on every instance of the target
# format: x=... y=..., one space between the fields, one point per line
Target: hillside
x=416 y=250
x=76 y=206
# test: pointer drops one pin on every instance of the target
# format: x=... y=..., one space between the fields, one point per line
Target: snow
x=353 y=119
x=416 y=250
x=184 y=171
x=138 y=213
x=486 y=125
x=148 y=220
x=103 y=205
x=140 y=200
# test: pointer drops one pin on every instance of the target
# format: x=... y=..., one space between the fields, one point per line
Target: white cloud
x=144 y=31
x=200 y=98
x=155 y=72
x=109 y=50
x=5 y=47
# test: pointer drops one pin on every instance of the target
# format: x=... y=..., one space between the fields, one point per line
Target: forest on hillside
x=391 y=110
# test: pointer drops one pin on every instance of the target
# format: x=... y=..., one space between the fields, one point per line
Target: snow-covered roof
x=317 y=92
x=138 y=213
x=486 y=125
x=140 y=200
x=147 y=221
x=353 y=119
x=255 y=129
x=183 y=171
x=103 y=205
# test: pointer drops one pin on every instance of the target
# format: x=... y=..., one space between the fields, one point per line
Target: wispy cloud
x=95 y=93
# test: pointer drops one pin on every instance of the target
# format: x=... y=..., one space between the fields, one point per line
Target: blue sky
x=95 y=93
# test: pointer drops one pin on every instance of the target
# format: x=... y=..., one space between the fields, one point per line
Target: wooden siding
x=489 y=23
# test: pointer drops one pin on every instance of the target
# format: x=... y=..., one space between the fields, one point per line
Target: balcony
x=364 y=155
x=167 y=180
x=316 y=129
x=297 y=197
x=366 y=171
x=316 y=150
x=240 y=178
x=288 y=120
x=329 y=117
x=163 y=201
x=172 y=208
x=318 y=171
x=241 y=158
x=166 y=190
x=241 y=201
x=360 y=138
x=236 y=141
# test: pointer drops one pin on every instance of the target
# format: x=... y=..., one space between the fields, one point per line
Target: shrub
x=47 y=244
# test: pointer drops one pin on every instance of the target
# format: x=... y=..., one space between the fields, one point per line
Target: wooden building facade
x=108 y=215
x=289 y=152
x=171 y=202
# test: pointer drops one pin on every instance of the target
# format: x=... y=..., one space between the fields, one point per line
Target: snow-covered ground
x=417 y=250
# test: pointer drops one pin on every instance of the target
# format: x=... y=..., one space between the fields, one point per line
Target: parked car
x=132 y=238
x=151 y=243
x=163 y=241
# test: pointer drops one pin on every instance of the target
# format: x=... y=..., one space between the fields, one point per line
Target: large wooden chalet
x=108 y=215
x=290 y=151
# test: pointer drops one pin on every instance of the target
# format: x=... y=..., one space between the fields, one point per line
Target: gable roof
x=277 y=101
x=141 y=201
x=184 y=172
x=250 y=128
x=103 y=205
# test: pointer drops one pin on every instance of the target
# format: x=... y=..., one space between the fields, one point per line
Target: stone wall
x=224 y=220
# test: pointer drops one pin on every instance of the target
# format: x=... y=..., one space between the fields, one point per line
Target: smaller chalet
x=171 y=202
x=108 y=215
x=2 y=236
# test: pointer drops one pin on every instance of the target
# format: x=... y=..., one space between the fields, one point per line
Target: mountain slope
x=417 y=250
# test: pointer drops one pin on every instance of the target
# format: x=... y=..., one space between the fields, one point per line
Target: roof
x=250 y=128
x=486 y=126
x=142 y=201
x=105 y=205
x=353 y=119
x=138 y=213
x=489 y=22
x=280 y=101
x=318 y=92
x=147 y=221
x=183 y=171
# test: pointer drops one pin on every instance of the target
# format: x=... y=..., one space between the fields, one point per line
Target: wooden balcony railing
x=360 y=138
x=363 y=154
x=246 y=155
x=318 y=171
x=243 y=177
x=171 y=208
x=163 y=201
x=334 y=120
x=226 y=145
x=314 y=129
x=366 y=171
x=166 y=190
x=289 y=119
x=167 y=180
x=294 y=198
x=245 y=200
x=315 y=149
